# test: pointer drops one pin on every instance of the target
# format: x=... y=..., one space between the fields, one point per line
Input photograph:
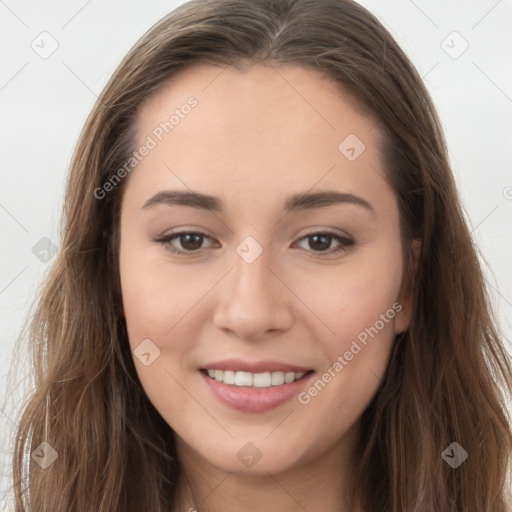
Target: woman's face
x=291 y=270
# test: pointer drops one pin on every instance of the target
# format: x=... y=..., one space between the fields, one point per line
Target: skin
x=256 y=137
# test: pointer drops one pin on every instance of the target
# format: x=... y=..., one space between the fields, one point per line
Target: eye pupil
x=325 y=242
x=195 y=238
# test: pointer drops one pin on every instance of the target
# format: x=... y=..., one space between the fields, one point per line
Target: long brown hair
x=448 y=377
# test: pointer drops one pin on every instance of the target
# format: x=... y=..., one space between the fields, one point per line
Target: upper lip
x=239 y=365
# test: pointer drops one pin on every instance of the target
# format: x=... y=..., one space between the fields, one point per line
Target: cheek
x=159 y=306
x=154 y=293
x=355 y=365
x=358 y=311
x=339 y=303
x=351 y=298
x=158 y=299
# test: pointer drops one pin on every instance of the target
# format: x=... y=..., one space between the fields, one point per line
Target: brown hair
x=448 y=376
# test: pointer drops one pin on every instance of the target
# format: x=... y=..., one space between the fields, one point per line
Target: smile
x=256 y=380
x=266 y=387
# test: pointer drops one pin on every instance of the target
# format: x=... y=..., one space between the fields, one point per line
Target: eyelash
x=346 y=242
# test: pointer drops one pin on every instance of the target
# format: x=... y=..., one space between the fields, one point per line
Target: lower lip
x=251 y=399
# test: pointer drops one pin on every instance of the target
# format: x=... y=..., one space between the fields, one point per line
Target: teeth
x=241 y=378
x=257 y=380
x=229 y=377
x=278 y=378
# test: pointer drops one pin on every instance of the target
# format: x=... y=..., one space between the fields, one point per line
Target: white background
x=44 y=103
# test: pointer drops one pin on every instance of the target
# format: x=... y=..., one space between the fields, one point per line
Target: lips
x=238 y=365
x=254 y=387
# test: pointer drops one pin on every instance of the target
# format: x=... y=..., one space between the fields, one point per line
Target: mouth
x=254 y=380
x=254 y=387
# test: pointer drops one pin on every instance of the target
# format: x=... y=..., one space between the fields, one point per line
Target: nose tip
x=249 y=331
x=252 y=302
x=251 y=327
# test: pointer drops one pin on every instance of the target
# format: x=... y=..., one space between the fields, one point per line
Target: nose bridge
x=251 y=276
x=251 y=268
x=252 y=300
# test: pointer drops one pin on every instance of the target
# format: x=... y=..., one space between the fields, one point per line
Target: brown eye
x=321 y=243
x=188 y=242
x=191 y=241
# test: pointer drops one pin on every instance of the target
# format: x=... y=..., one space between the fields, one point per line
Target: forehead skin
x=254 y=134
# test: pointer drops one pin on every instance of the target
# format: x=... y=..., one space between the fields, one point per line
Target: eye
x=320 y=243
x=190 y=241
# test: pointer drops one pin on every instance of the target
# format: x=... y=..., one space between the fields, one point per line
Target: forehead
x=298 y=101
x=257 y=129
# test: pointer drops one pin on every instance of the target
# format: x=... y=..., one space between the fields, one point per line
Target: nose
x=253 y=300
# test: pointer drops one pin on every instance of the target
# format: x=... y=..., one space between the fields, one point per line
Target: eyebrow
x=296 y=202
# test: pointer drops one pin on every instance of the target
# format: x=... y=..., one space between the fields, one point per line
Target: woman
x=267 y=296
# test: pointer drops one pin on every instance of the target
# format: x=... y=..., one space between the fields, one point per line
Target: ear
x=406 y=296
